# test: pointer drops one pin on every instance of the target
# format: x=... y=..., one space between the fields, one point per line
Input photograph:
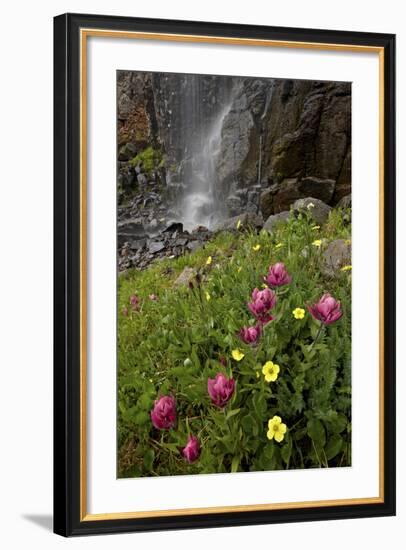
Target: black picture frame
x=67 y=381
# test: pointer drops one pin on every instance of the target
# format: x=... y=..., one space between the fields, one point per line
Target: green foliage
x=173 y=345
x=150 y=159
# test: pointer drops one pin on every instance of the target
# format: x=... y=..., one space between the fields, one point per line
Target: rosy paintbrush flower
x=277 y=275
x=250 y=335
x=134 y=301
x=163 y=415
x=262 y=301
x=192 y=450
x=221 y=389
x=327 y=310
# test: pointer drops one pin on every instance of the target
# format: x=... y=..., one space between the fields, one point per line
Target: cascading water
x=199 y=203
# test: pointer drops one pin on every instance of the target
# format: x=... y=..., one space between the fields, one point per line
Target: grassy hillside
x=171 y=339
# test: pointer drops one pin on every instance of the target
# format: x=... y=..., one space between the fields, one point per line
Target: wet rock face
x=277 y=141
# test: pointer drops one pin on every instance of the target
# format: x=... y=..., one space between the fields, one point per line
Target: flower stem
x=317 y=337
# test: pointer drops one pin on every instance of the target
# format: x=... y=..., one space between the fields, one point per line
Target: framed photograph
x=224 y=274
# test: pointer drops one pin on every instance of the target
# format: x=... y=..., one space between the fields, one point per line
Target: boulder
x=288 y=193
x=174 y=227
x=318 y=188
x=155 y=246
x=276 y=219
x=266 y=203
x=336 y=256
x=187 y=275
x=317 y=208
x=247 y=219
x=345 y=202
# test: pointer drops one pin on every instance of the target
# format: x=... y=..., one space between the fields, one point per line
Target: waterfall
x=199 y=204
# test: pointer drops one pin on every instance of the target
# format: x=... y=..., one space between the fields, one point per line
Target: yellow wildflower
x=346 y=268
x=298 y=313
x=256 y=247
x=270 y=370
x=279 y=245
x=237 y=354
x=209 y=260
x=276 y=429
x=317 y=243
x=208 y=297
x=238 y=224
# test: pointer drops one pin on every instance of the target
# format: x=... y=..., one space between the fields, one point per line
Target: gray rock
x=187 y=275
x=318 y=188
x=345 y=202
x=319 y=211
x=155 y=246
x=266 y=203
x=234 y=204
x=142 y=179
x=127 y=152
x=138 y=244
x=336 y=256
x=287 y=194
x=247 y=219
x=194 y=245
x=173 y=227
x=276 y=219
x=131 y=226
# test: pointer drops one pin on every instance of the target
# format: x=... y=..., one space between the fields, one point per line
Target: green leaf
x=145 y=402
x=232 y=413
x=149 y=456
x=334 y=446
x=249 y=425
x=286 y=450
x=316 y=431
x=235 y=464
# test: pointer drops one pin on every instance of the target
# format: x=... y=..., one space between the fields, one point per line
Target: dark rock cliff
x=278 y=140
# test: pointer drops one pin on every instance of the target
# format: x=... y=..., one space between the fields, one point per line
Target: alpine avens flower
x=163 y=415
x=221 y=390
x=317 y=243
x=237 y=355
x=298 y=313
x=192 y=450
x=277 y=275
x=270 y=370
x=209 y=260
x=327 y=310
x=256 y=247
x=276 y=429
x=250 y=335
x=262 y=301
